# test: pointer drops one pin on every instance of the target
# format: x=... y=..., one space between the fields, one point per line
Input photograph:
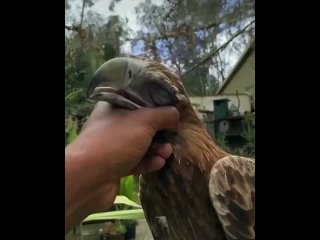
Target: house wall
x=244 y=80
x=206 y=103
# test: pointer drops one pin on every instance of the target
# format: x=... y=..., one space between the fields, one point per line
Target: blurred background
x=209 y=43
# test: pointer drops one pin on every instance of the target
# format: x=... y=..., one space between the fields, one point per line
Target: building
x=241 y=80
x=238 y=87
x=225 y=113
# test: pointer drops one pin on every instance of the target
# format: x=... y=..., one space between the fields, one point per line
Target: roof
x=238 y=65
x=220 y=96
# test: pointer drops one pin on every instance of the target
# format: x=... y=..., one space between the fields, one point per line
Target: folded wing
x=232 y=192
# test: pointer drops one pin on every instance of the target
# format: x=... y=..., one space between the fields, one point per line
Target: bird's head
x=131 y=83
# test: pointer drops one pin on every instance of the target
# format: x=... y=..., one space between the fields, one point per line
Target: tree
x=184 y=33
x=89 y=42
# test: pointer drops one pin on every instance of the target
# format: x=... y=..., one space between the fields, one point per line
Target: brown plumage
x=202 y=193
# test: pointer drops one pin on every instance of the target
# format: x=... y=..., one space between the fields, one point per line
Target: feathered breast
x=179 y=192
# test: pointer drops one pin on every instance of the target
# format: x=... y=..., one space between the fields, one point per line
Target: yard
x=91 y=232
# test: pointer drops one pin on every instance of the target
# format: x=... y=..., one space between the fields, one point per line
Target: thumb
x=161 y=118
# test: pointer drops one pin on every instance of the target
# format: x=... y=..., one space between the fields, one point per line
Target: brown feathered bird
x=203 y=192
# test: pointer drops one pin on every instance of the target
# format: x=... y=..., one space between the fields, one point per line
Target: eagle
x=202 y=192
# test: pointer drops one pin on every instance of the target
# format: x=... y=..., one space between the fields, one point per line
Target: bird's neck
x=196 y=144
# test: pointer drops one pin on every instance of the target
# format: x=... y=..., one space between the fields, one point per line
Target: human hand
x=113 y=143
x=123 y=137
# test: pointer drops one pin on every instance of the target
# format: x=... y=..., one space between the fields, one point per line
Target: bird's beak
x=111 y=83
x=119 y=97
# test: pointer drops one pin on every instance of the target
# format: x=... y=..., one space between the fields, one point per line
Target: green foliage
x=124 y=200
x=124 y=217
x=71 y=124
x=200 y=83
x=75 y=113
x=223 y=143
x=85 y=50
x=121 y=228
x=70 y=130
x=249 y=135
x=128 y=188
x=78 y=72
x=132 y=214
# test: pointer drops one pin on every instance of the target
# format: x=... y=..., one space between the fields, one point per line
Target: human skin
x=113 y=143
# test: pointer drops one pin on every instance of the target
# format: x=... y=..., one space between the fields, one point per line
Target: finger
x=162 y=118
x=164 y=150
x=100 y=110
x=150 y=164
x=154 y=159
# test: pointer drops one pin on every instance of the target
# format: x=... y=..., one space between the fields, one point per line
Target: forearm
x=111 y=145
x=98 y=201
x=84 y=185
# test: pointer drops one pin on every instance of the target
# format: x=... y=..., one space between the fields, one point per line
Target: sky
x=126 y=8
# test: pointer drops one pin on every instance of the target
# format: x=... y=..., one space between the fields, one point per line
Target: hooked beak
x=120 y=82
x=111 y=82
x=124 y=98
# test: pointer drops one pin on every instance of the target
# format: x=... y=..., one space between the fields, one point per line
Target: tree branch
x=221 y=69
x=173 y=7
x=175 y=32
x=223 y=46
x=82 y=12
x=71 y=28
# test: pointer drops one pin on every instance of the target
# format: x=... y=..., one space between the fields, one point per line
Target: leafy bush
x=248 y=150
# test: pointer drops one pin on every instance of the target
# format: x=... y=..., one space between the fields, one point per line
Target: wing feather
x=232 y=192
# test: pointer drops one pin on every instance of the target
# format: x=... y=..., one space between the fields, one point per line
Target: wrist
x=96 y=201
x=91 y=162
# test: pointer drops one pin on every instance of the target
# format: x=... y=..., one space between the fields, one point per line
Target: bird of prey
x=202 y=192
